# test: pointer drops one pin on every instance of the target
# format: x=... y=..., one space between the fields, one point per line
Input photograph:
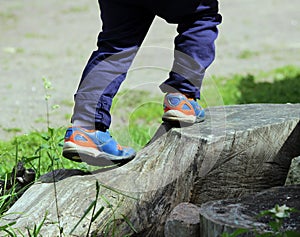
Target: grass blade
x=129 y=223
x=84 y=215
x=97 y=214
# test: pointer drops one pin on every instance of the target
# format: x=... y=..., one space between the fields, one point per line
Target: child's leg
x=124 y=28
x=194 y=49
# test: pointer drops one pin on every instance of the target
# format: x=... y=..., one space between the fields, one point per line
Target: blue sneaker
x=179 y=108
x=92 y=146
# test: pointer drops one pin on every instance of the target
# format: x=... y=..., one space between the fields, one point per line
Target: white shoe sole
x=177 y=116
x=89 y=155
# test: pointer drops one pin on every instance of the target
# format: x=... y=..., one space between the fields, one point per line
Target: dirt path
x=53 y=39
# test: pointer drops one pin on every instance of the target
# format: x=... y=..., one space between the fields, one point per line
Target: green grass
x=277 y=86
x=246 y=54
x=33 y=149
x=34 y=35
x=76 y=9
x=8 y=16
x=139 y=118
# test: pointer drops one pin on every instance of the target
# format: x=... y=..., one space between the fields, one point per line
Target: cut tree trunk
x=217 y=217
x=238 y=150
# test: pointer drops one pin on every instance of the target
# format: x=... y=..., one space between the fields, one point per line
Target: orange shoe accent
x=187 y=112
x=119 y=147
x=87 y=143
x=179 y=107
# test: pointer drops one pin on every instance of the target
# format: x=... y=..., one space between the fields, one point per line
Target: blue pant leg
x=124 y=28
x=194 y=49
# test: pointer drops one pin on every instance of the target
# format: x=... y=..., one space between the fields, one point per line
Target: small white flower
x=281 y=211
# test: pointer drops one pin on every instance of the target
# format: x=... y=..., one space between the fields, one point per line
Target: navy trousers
x=125 y=24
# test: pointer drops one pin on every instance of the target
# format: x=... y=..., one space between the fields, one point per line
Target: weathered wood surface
x=238 y=150
x=183 y=221
x=293 y=176
x=217 y=217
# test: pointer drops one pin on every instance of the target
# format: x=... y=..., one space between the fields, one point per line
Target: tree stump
x=238 y=150
x=229 y=215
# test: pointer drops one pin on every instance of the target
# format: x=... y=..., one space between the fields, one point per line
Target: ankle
x=101 y=127
x=89 y=126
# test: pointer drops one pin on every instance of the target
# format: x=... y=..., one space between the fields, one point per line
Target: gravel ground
x=53 y=39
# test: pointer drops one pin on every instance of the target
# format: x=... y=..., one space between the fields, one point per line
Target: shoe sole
x=91 y=156
x=175 y=116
